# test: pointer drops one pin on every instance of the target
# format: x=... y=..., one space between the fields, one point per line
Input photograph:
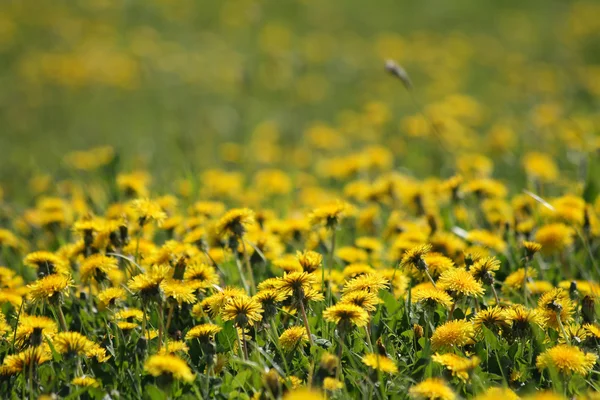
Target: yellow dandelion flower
x=431 y=297
x=455 y=333
x=214 y=303
x=203 y=274
x=531 y=248
x=309 y=260
x=515 y=280
x=34 y=329
x=293 y=337
x=72 y=343
x=50 y=288
x=430 y=389
x=498 y=393
x=370 y=282
x=85 y=381
x=168 y=365
x=485 y=269
x=244 y=310
x=303 y=394
x=174 y=346
x=329 y=215
x=459 y=366
x=178 y=291
x=554 y=305
x=567 y=360
x=130 y=314
x=108 y=297
x=295 y=284
x=366 y=300
x=539 y=287
x=46 y=263
x=147 y=285
x=97 y=267
x=332 y=384
x=147 y=210
x=460 y=282
x=235 y=222
x=554 y=237
x=346 y=314
x=380 y=363
x=523 y=319
x=203 y=332
x=33 y=355
x=414 y=257
x=493 y=318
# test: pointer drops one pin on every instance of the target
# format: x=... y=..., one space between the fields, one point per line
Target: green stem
x=161 y=326
x=61 y=318
x=305 y=319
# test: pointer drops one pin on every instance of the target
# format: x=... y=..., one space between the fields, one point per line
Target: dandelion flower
x=170 y=366
x=414 y=257
x=309 y=260
x=292 y=337
x=556 y=307
x=235 y=222
x=371 y=282
x=32 y=356
x=203 y=332
x=430 y=389
x=72 y=343
x=567 y=360
x=178 y=291
x=554 y=237
x=493 y=318
x=97 y=267
x=34 y=329
x=346 y=314
x=147 y=285
x=380 y=363
x=453 y=334
x=366 y=300
x=108 y=297
x=498 y=393
x=244 y=310
x=460 y=282
x=523 y=319
x=332 y=384
x=329 y=215
x=50 y=288
x=485 y=269
x=303 y=394
x=85 y=381
x=147 y=210
x=459 y=366
x=431 y=297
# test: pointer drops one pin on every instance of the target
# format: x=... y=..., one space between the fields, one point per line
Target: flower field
x=307 y=200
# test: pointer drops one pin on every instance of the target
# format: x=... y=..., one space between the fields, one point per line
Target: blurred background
x=175 y=86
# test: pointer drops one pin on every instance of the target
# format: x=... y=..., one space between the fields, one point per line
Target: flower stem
x=169 y=318
x=61 y=318
x=305 y=319
x=430 y=278
x=161 y=325
x=562 y=328
x=330 y=266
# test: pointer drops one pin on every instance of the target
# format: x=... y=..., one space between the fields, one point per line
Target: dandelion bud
x=573 y=292
x=393 y=68
x=588 y=309
x=418 y=331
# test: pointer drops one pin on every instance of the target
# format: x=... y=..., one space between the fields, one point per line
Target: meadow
x=269 y=200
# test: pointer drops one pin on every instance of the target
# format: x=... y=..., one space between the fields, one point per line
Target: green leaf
x=226 y=339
